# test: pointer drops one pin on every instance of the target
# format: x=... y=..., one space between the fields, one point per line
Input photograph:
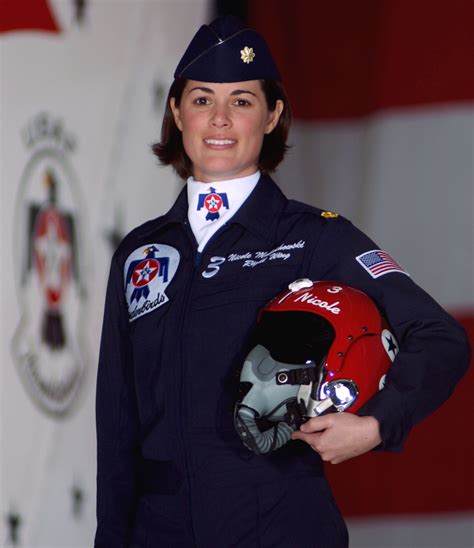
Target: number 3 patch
x=213 y=267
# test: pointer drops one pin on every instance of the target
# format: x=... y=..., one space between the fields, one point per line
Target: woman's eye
x=242 y=103
x=201 y=101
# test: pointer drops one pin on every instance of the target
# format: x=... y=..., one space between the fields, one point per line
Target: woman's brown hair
x=170 y=149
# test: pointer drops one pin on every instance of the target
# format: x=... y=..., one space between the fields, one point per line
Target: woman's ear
x=274 y=116
x=175 y=112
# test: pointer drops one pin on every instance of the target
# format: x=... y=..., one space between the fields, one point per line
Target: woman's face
x=223 y=126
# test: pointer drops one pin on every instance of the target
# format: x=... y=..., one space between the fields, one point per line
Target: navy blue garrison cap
x=227 y=51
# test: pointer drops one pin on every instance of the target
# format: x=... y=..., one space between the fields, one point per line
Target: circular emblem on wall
x=48 y=345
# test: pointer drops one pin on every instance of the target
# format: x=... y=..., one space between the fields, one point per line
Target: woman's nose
x=220 y=117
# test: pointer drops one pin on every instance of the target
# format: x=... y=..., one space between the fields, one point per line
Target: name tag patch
x=148 y=271
x=252 y=259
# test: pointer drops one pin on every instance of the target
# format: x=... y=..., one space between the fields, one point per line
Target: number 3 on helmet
x=319 y=347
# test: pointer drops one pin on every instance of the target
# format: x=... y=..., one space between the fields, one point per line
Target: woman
x=171 y=468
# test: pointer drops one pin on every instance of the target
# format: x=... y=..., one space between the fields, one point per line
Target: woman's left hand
x=340 y=436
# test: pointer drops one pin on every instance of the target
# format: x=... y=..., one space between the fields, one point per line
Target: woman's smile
x=219 y=143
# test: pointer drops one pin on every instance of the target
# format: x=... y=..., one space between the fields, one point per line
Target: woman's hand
x=340 y=436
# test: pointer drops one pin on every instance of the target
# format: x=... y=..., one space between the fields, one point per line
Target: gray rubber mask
x=264 y=399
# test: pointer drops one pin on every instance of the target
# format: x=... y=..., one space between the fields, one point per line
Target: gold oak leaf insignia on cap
x=247 y=54
x=329 y=215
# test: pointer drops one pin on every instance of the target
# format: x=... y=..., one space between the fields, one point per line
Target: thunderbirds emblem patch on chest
x=147 y=272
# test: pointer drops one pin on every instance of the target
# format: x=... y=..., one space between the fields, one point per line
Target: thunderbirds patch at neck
x=212 y=202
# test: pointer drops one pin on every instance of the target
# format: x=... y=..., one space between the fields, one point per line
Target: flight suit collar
x=258 y=214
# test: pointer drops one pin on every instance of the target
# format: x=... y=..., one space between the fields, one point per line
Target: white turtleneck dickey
x=211 y=205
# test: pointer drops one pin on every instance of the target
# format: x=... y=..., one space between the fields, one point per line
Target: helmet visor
x=295 y=337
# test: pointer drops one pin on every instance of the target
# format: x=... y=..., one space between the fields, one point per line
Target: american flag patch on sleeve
x=378 y=262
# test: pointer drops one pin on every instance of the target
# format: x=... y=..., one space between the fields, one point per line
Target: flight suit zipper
x=181 y=422
x=180 y=383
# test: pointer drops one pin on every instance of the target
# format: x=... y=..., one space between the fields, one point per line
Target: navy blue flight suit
x=172 y=471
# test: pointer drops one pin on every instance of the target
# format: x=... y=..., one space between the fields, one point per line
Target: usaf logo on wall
x=148 y=271
x=48 y=345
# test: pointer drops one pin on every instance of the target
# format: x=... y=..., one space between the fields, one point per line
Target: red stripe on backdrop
x=433 y=474
x=16 y=15
x=352 y=58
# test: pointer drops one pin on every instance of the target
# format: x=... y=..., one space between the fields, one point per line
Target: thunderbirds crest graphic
x=213 y=203
x=48 y=345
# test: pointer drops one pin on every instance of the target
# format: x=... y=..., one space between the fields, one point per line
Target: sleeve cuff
x=387 y=407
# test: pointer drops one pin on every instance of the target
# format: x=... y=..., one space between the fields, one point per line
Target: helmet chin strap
x=313 y=407
x=305 y=406
x=340 y=394
x=257 y=441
